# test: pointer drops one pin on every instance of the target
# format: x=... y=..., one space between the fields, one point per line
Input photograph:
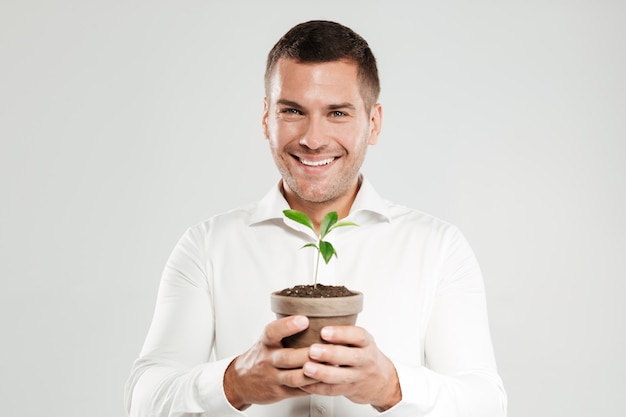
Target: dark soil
x=322 y=291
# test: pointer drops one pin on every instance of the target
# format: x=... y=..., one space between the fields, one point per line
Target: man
x=422 y=344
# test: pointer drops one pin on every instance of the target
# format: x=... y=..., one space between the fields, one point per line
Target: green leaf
x=327 y=250
x=327 y=223
x=342 y=224
x=299 y=217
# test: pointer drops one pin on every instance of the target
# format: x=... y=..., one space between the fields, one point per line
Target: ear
x=376 y=122
x=264 y=119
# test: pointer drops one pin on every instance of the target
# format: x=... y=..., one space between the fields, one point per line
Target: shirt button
x=321 y=410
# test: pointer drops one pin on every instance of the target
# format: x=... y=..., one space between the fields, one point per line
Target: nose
x=315 y=135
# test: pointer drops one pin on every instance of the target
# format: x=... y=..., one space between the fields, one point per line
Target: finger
x=290 y=358
x=331 y=374
x=287 y=326
x=337 y=355
x=294 y=379
x=346 y=335
x=330 y=390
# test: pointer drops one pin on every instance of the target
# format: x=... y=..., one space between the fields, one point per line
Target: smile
x=316 y=163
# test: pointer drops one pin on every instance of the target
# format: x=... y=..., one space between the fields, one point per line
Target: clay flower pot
x=335 y=311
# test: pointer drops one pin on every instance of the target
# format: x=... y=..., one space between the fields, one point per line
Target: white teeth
x=317 y=163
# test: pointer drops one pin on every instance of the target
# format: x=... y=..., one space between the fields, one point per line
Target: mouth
x=319 y=163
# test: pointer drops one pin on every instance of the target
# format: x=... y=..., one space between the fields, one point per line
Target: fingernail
x=326 y=333
x=315 y=351
x=300 y=321
x=308 y=369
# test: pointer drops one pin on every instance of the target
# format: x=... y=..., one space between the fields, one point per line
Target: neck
x=317 y=210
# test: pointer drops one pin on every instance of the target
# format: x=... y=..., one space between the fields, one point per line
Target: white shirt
x=424 y=304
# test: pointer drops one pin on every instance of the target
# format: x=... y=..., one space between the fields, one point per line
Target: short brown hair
x=325 y=41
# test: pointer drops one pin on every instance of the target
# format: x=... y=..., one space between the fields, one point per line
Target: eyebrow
x=341 y=106
x=288 y=103
x=346 y=105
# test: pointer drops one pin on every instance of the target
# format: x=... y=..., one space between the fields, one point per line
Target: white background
x=123 y=123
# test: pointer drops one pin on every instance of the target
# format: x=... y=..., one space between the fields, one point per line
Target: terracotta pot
x=331 y=311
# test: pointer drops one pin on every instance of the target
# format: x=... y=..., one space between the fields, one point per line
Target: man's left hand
x=352 y=366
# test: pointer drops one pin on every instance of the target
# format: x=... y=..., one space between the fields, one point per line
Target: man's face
x=318 y=128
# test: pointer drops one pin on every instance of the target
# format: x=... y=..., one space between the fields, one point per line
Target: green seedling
x=329 y=223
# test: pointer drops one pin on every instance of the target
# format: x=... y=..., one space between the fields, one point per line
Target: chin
x=314 y=191
x=317 y=196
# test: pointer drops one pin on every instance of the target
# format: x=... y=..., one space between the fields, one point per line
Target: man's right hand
x=267 y=372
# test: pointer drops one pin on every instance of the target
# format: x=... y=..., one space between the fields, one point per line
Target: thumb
x=283 y=327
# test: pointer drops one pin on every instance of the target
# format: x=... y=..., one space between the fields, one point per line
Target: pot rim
x=317 y=307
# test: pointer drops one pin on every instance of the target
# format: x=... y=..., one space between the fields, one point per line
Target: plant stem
x=317 y=265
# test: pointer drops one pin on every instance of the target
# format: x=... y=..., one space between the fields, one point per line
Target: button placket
x=321 y=406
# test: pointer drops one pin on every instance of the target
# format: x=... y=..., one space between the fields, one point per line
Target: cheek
x=284 y=132
x=352 y=136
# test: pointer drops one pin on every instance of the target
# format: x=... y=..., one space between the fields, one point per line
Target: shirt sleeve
x=173 y=376
x=459 y=378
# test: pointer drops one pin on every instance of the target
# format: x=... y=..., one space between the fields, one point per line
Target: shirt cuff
x=415 y=393
x=210 y=388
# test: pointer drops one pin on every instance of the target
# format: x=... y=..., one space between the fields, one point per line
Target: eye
x=337 y=113
x=291 y=111
x=290 y=114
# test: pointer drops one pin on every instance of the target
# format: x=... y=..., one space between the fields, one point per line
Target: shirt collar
x=368 y=206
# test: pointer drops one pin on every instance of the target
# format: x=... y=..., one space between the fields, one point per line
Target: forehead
x=334 y=78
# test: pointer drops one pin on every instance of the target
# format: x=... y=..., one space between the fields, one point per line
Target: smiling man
x=422 y=345
x=319 y=127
